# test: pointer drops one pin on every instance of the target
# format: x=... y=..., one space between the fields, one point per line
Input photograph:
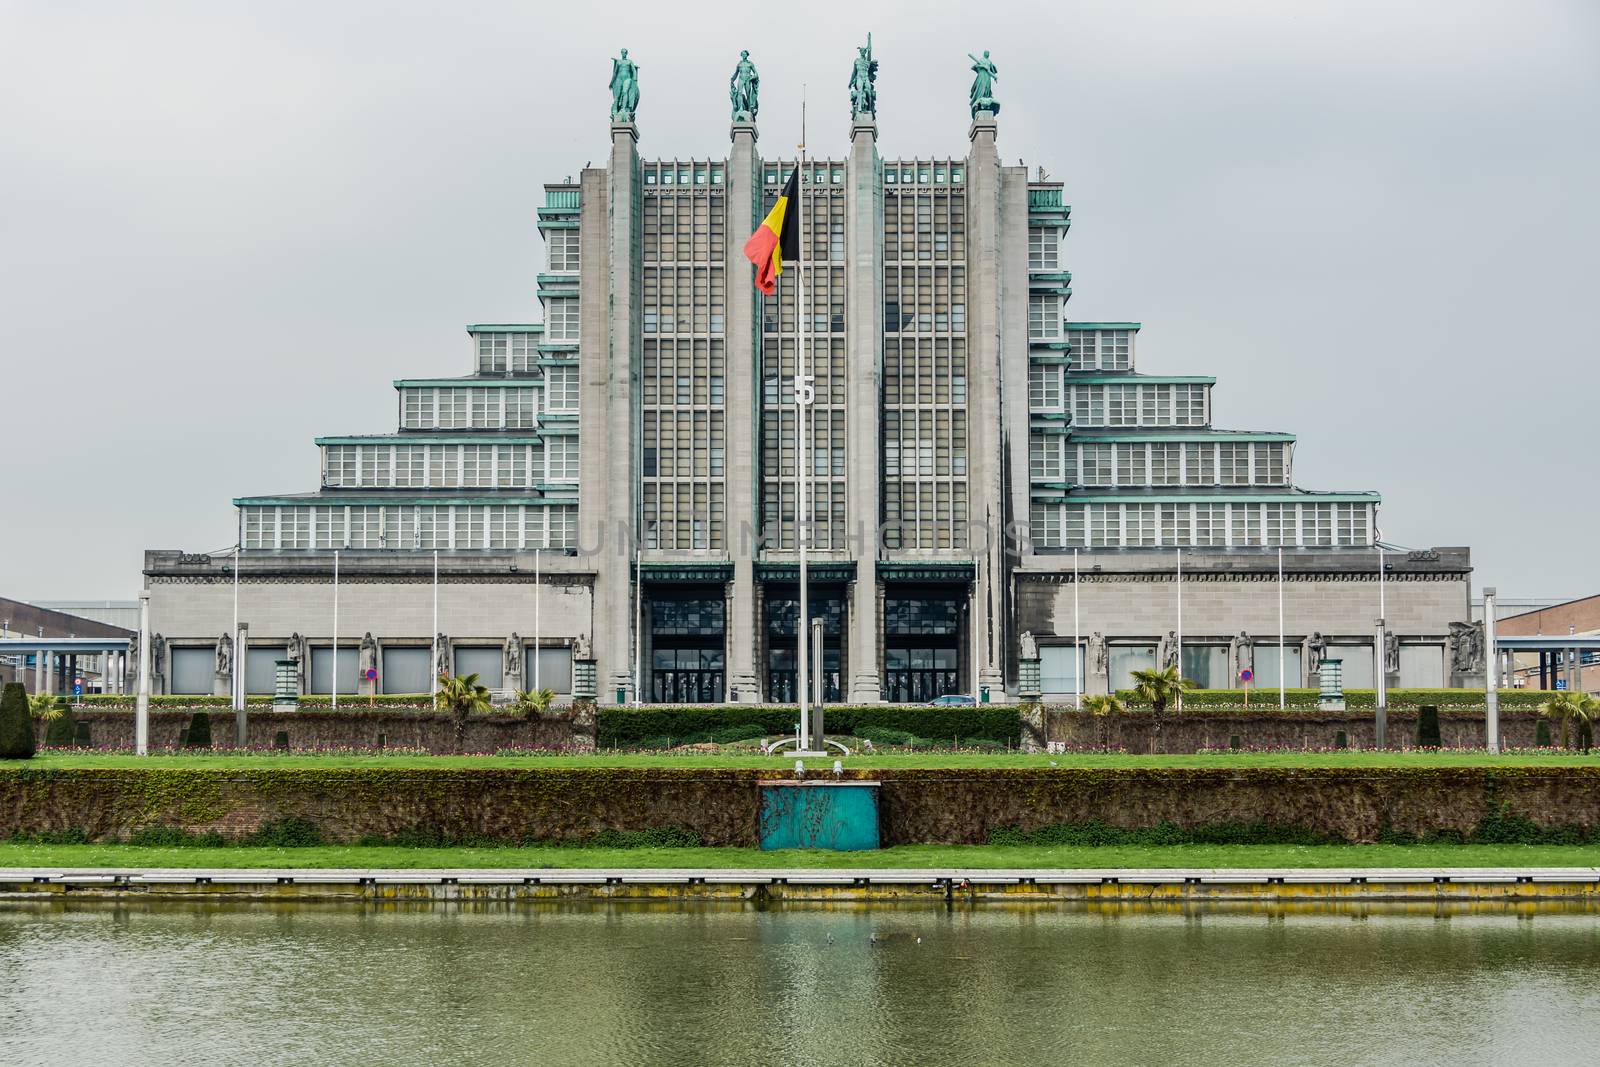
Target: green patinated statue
x=863 y=78
x=624 y=88
x=984 y=75
x=744 y=89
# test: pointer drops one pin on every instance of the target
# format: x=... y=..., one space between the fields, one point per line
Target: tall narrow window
x=561 y=319
x=1044 y=317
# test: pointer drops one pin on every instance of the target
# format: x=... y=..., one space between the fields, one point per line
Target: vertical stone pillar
x=1013 y=484
x=742 y=413
x=863 y=274
x=609 y=343
x=984 y=350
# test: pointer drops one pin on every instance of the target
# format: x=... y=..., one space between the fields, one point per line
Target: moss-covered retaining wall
x=568 y=729
x=1270 y=728
x=958 y=806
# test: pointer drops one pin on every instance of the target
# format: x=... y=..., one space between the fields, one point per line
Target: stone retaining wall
x=1134 y=731
x=567 y=729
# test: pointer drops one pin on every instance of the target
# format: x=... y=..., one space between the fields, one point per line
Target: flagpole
x=334 y=680
x=1180 y=627
x=802 y=435
x=433 y=665
x=1282 y=654
x=1077 y=639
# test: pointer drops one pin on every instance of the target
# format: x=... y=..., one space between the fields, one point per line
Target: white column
x=863 y=274
x=141 y=714
x=1381 y=715
x=745 y=676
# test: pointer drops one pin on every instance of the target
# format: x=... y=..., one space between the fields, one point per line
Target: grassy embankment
x=1003 y=856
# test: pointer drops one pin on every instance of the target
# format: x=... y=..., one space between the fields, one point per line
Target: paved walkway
x=817 y=883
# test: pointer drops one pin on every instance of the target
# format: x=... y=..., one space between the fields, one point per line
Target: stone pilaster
x=864 y=374
x=742 y=417
x=984 y=351
x=609 y=406
x=1014 y=484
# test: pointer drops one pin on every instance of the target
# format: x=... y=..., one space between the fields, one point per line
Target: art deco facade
x=969 y=446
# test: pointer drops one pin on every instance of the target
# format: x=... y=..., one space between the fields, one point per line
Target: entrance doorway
x=922 y=643
x=783 y=610
x=688 y=663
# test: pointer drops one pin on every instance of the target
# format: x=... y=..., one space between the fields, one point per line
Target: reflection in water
x=518 y=984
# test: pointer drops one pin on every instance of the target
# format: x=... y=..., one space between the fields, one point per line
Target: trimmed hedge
x=198 y=735
x=1428 y=727
x=16 y=723
x=654 y=726
x=61 y=731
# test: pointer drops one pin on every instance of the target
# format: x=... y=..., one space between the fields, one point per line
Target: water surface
x=718 y=984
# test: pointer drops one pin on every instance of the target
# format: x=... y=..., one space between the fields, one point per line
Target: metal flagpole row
x=433 y=664
x=1077 y=638
x=236 y=679
x=1282 y=652
x=536 y=620
x=334 y=680
x=1179 y=633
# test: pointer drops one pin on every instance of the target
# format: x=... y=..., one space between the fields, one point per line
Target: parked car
x=952 y=700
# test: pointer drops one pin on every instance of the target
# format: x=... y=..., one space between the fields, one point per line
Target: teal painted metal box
x=833 y=815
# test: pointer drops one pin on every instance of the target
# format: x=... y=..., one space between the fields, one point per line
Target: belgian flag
x=778 y=236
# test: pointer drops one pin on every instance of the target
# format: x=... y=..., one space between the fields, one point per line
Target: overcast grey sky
x=225 y=227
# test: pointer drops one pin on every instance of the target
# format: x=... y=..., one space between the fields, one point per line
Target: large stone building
x=980 y=467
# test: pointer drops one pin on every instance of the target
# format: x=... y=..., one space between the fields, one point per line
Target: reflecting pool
x=527 y=984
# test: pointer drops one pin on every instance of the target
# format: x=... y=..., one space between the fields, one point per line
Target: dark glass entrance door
x=922 y=643
x=687 y=658
x=686 y=676
x=918 y=675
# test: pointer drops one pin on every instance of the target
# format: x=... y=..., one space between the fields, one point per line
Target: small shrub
x=1541 y=734
x=286 y=833
x=61 y=731
x=1428 y=727
x=884 y=735
x=71 y=836
x=159 y=836
x=656 y=837
x=280 y=740
x=1096 y=833
x=1341 y=740
x=199 y=733
x=747 y=731
x=1586 y=735
x=16 y=724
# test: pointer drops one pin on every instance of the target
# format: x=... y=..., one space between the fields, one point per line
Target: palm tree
x=1158 y=689
x=461 y=695
x=534 y=702
x=46 y=707
x=1567 y=706
x=1102 y=706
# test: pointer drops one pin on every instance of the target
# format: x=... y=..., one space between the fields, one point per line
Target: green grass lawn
x=77 y=856
x=223 y=760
